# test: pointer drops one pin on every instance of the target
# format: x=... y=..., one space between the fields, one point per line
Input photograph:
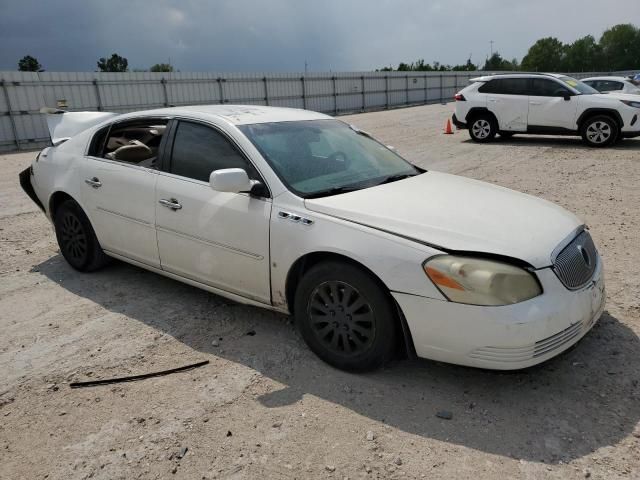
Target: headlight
x=481 y=282
x=631 y=103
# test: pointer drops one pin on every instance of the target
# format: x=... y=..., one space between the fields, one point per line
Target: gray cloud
x=278 y=35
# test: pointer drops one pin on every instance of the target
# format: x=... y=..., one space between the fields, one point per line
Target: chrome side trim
x=254 y=256
x=295 y=218
x=126 y=217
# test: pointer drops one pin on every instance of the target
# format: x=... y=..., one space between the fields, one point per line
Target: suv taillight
x=459 y=97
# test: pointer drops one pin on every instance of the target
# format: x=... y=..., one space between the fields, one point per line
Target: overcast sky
x=278 y=35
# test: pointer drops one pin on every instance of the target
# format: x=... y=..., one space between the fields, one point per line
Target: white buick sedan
x=298 y=212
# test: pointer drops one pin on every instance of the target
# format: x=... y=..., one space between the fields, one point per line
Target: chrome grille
x=576 y=262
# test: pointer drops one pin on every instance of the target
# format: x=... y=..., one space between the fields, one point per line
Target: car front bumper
x=507 y=337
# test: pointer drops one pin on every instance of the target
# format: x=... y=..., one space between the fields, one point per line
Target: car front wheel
x=483 y=128
x=76 y=238
x=345 y=316
x=600 y=131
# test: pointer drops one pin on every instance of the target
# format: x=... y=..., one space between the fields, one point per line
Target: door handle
x=94 y=182
x=535 y=103
x=171 y=203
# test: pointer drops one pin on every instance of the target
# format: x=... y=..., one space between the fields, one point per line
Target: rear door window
x=135 y=142
x=609 y=86
x=506 y=86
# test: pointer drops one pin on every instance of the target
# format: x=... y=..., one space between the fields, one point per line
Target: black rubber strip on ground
x=133 y=378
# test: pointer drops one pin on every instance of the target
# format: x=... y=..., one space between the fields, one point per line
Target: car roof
x=486 y=78
x=235 y=114
x=611 y=77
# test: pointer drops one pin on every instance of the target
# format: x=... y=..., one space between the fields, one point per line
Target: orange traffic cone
x=447 y=128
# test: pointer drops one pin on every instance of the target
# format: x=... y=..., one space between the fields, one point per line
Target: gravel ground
x=265 y=407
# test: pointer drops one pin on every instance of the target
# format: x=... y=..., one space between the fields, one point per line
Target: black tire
x=599 y=131
x=76 y=238
x=346 y=317
x=483 y=128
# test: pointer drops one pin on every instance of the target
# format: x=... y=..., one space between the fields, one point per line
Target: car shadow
x=562 y=410
x=557 y=141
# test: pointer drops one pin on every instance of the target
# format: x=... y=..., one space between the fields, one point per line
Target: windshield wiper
x=395 y=178
x=333 y=191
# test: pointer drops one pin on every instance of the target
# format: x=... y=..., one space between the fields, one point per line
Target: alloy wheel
x=341 y=318
x=481 y=128
x=74 y=238
x=599 y=132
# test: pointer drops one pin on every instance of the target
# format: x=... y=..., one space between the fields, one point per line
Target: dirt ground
x=265 y=406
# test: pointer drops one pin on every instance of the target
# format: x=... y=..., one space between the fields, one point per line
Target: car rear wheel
x=483 y=128
x=76 y=238
x=345 y=316
x=600 y=131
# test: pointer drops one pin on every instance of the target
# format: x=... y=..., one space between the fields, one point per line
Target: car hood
x=620 y=96
x=455 y=213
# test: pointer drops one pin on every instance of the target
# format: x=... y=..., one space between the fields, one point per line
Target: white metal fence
x=335 y=93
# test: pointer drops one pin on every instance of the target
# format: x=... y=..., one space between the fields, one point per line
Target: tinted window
x=506 y=86
x=544 y=87
x=198 y=150
x=609 y=86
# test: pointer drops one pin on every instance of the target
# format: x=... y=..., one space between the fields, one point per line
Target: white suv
x=547 y=104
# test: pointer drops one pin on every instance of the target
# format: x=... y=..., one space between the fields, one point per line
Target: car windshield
x=316 y=158
x=582 y=87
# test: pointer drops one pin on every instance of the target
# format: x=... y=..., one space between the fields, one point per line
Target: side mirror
x=234 y=180
x=567 y=97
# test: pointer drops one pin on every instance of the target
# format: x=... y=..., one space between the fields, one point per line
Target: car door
x=551 y=105
x=119 y=193
x=507 y=98
x=217 y=238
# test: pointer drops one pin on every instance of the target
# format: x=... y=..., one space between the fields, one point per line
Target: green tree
x=496 y=62
x=29 y=64
x=161 y=67
x=467 y=67
x=621 y=47
x=546 y=55
x=583 y=55
x=115 y=63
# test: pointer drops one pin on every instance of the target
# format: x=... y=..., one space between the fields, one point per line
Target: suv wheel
x=345 y=316
x=600 y=131
x=483 y=128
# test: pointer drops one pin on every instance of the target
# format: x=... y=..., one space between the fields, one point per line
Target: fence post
x=386 y=92
x=304 y=93
x=406 y=89
x=220 y=89
x=335 y=96
x=10 y=113
x=163 y=82
x=425 y=88
x=98 y=98
x=364 y=106
x=266 y=90
x=441 y=88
